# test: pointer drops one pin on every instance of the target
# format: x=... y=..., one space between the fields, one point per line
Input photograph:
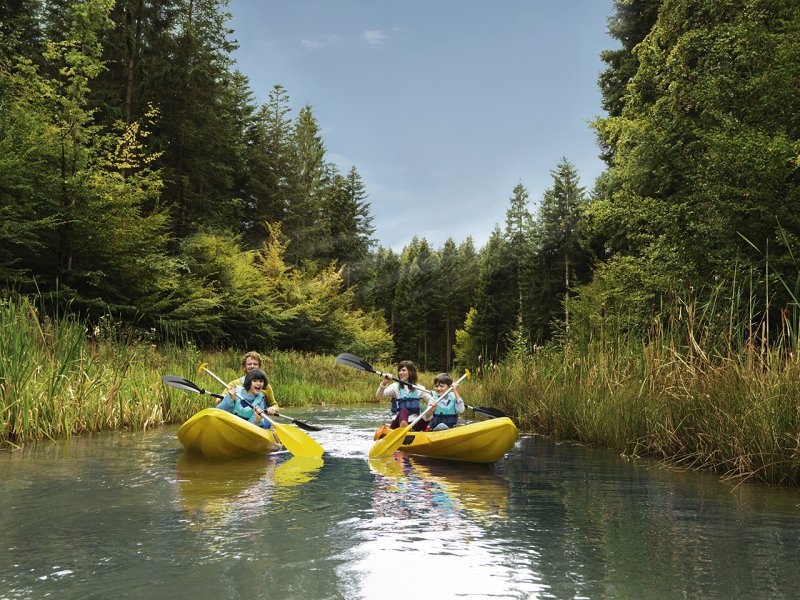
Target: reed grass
x=58 y=378
x=707 y=389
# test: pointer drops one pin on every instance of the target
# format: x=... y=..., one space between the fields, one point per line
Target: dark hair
x=412 y=370
x=254 y=374
x=443 y=378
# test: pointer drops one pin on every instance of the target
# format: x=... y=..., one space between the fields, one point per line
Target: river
x=131 y=515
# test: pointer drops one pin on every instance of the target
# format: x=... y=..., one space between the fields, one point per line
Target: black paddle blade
x=488 y=411
x=185 y=384
x=351 y=360
x=181 y=383
x=300 y=424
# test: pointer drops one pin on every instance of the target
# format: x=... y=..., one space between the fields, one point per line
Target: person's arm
x=226 y=403
x=459 y=400
x=270 y=401
x=386 y=389
x=428 y=414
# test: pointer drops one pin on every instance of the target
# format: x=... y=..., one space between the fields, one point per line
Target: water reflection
x=129 y=515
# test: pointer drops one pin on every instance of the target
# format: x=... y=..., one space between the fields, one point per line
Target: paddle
x=185 y=384
x=351 y=360
x=295 y=441
x=386 y=446
x=354 y=361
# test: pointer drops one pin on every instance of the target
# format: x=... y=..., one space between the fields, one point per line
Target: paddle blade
x=181 y=383
x=297 y=442
x=351 y=360
x=387 y=445
x=300 y=424
x=488 y=411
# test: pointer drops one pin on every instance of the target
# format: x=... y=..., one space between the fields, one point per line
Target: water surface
x=131 y=515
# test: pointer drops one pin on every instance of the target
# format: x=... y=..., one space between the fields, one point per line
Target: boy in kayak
x=405 y=399
x=252 y=390
x=445 y=415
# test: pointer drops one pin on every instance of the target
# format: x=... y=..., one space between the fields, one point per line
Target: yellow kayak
x=482 y=442
x=216 y=433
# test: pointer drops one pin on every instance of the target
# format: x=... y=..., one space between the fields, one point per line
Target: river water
x=130 y=515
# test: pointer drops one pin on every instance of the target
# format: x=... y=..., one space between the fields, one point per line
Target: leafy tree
x=704 y=149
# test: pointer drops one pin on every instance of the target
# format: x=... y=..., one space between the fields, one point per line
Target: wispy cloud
x=321 y=41
x=375 y=37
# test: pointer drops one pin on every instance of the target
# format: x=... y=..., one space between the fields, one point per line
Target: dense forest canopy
x=140 y=180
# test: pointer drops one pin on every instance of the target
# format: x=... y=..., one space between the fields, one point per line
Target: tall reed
x=58 y=378
x=708 y=387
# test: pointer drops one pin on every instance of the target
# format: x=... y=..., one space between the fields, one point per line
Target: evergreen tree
x=303 y=223
x=270 y=161
x=495 y=304
x=349 y=222
x=413 y=302
x=560 y=219
x=518 y=223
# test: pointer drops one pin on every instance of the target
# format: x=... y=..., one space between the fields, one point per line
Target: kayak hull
x=481 y=442
x=216 y=433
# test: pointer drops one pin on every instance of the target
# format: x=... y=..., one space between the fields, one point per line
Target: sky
x=443 y=106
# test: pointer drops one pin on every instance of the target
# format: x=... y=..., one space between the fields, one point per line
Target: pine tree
x=560 y=218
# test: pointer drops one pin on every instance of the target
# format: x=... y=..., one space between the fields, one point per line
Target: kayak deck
x=216 y=433
x=482 y=442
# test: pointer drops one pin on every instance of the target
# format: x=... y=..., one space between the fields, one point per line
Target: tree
x=303 y=222
x=704 y=149
x=495 y=301
x=560 y=232
x=349 y=223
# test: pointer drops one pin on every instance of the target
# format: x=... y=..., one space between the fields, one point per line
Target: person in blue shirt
x=448 y=407
x=252 y=391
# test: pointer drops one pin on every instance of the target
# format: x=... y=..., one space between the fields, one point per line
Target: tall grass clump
x=712 y=384
x=57 y=378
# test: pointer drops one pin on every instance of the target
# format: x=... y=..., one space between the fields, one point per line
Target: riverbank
x=738 y=416
x=58 y=379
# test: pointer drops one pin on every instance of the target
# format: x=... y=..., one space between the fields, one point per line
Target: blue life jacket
x=407 y=398
x=445 y=412
x=242 y=410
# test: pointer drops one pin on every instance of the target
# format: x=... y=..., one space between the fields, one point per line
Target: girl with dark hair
x=251 y=390
x=405 y=398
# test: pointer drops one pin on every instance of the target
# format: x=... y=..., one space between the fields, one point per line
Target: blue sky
x=443 y=106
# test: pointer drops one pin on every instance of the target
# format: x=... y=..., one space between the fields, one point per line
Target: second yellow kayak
x=482 y=442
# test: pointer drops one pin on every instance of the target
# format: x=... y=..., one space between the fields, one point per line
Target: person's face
x=251 y=363
x=403 y=374
x=441 y=387
x=256 y=386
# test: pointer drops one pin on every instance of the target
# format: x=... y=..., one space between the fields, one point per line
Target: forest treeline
x=141 y=182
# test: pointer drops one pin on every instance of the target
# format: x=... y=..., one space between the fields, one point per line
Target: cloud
x=375 y=37
x=322 y=41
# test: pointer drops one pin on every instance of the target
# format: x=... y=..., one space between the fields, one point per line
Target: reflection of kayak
x=483 y=442
x=219 y=434
x=297 y=470
x=215 y=486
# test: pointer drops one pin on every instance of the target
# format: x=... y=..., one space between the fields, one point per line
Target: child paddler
x=251 y=390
